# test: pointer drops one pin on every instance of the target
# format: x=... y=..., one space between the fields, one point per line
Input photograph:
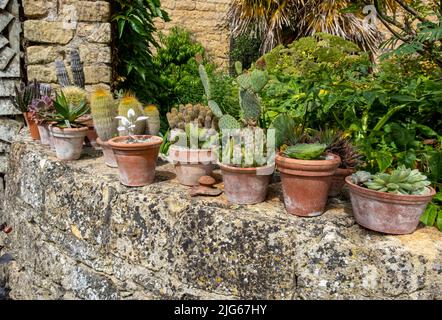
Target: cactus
x=77 y=69
x=227 y=122
x=75 y=95
x=62 y=73
x=205 y=81
x=153 y=120
x=305 y=151
x=198 y=114
x=129 y=101
x=104 y=111
x=23 y=97
x=401 y=181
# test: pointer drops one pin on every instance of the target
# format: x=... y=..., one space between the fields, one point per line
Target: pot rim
x=310 y=163
x=243 y=170
x=58 y=129
x=179 y=148
x=385 y=196
x=115 y=143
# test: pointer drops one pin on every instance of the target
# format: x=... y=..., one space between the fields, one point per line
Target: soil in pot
x=68 y=142
x=136 y=161
x=108 y=154
x=246 y=185
x=191 y=164
x=386 y=212
x=305 y=183
x=32 y=126
x=338 y=181
x=45 y=135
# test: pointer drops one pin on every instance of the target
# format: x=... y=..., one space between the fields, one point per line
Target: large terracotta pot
x=191 y=164
x=45 y=135
x=338 y=181
x=33 y=129
x=386 y=212
x=108 y=154
x=136 y=161
x=68 y=142
x=305 y=183
x=246 y=185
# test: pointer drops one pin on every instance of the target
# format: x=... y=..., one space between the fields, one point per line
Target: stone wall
x=78 y=233
x=52 y=28
x=205 y=20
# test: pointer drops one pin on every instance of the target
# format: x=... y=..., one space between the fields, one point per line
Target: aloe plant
x=67 y=114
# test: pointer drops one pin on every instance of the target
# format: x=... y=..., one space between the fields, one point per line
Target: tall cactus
x=153 y=120
x=77 y=69
x=62 y=73
x=127 y=102
x=104 y=110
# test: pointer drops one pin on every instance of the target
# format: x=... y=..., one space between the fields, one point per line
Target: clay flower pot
x=191 y=164
x=246 y=185
x=386 y=212
x=338 y=181
x=45 y=135
x=33 y=129
x=108 y=153
x=136 y=161
x=68 y=142
x=305 y=183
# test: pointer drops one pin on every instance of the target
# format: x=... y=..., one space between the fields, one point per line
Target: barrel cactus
x=104 y=111
x=153 y=120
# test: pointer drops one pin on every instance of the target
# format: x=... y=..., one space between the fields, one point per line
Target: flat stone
x=47 y=32
x=7 y=108
x=35 y=8
x=207 y=181
x=205 y=191
x=9 y=129
x=7 y=88
x=157 y=242
x=6 y=55
x=3 y=41
x=42 y=54
x=95 y=53
x=93 y=11
x=95 y=32
x=3 y=4
x=5 y=19
x=97 y=74
x=43 y=73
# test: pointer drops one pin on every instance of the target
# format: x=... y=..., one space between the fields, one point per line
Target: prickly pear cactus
x=227 y=122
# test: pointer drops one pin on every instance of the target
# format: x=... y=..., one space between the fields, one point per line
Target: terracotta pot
x=338 y=181
x=45 y=135
x=305 y=183
x=68 y=142
x=246 y=185
x=51 y=138
x=136 y=161
x=386 y=212
x=191 y=164
x=32 y=126
x=108 y=154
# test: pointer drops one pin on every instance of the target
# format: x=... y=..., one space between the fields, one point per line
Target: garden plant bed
x=78 y=233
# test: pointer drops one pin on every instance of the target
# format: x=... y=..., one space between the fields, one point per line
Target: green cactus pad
x=238 y=67
x=258 y=80
x=250 y=105
x=216 y=110
x=228 y=122
x=244 y=81
x=205 y=81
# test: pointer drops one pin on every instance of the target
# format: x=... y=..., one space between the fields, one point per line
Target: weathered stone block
x=7 y=108
x=9 y=129
x=97 y=74
x=95 y=32
x=47 y=32
x=43 y=73
x=93 y=11
x=95 y=53
x=35 y=8
x=41 y=54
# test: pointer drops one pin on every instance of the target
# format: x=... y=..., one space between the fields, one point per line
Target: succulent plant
x=41 y=109
x=66 y=114
x=75 y=95
x=127 y=102
x=76 y=68
x=104 y=110
x=153 y=120
x=128 y=125
x=401 y=181
x=24 y=94
x=198 y=114
x=305 y=151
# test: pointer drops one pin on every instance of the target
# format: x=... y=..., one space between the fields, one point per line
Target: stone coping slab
x=79 y=234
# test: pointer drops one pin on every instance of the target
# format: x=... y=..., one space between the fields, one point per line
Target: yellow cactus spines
x=74 y=95
x=129 y=101
x=104 y=110
x=153 y=120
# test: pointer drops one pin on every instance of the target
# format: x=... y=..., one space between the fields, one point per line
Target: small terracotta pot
x=108 y=154
x=51 y=137
x=68 y=142
x=246 y=185
x=305 y=183
x=191 y=164
x=338 y=181
x=33 y=129
x=386 y=212
x=45 y=135
x=136 y=161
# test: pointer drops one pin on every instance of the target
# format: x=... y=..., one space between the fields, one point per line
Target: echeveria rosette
x=41 y=108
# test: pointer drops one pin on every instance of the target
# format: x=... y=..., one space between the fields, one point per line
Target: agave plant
x=283 y=21
x=67 y=114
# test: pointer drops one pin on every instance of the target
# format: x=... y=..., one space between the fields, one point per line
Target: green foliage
x=66 y=114
x=401 y=181
x=243 y=49
x=433 y=214
x=306 y=151
x=134 y=30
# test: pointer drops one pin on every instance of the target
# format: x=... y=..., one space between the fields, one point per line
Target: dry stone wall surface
x=79 y=234
x=53 y=28
x=205 y=20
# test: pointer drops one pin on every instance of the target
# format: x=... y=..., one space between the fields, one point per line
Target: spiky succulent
x=401 y=181
x=24 y=94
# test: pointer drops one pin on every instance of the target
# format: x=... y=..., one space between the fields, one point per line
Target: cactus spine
x=153 y=121
x=129 y=101
x=104 y=111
